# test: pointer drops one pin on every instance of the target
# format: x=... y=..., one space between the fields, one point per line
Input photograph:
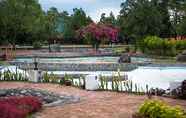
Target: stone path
x=93 y=104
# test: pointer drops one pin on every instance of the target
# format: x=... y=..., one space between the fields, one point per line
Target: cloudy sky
x=93 y=8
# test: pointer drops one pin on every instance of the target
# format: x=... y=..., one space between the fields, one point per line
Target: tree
x=51 y=24
x=69 y=31
x=103 y=17
x=177 y=14
x=178 y=17
x=140 y=18
x=166 y=28
x=96 y=33
x=18 y=22
x=74 y=22
x=79 y=18
x=111 y=20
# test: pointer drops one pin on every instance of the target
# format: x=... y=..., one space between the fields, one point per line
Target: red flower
x=18 y=107
x=99 y=32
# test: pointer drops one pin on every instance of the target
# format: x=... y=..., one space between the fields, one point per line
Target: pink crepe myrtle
x=99 y=32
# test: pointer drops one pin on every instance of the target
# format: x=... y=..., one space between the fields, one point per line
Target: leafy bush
x=180 y=44
x=158 y=109
x=19 y=107
x=50 y=78
x=37 y=45
x=158 y=46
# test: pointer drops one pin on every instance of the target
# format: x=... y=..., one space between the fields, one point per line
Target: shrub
x=19 y=107
x=158 y=46
x=50 y=78
x=180 y=44
x=158 y=109
x=36 y=45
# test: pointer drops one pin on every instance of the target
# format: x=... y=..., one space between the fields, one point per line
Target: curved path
x=93 y=104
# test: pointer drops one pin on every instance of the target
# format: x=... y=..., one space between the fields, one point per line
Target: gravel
x=48 y=98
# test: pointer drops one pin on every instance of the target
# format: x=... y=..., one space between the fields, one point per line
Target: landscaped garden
x=69 y=64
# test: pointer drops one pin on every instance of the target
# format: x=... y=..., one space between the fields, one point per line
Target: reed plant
x=50 y=78
x=119 y=84
x=8 y=75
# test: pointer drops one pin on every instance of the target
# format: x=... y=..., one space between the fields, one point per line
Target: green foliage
x=103 y=83
x=89 y=39
x=46 y=77
x=24 y=21
x=180 y=45
x=153 y=42
x=37 y=45
x=141 y=18
x=51 y=22
x=158 y=46
x=21 y=21
x=74 y=22
x=68 y=77
x=50 y=78
x=117 y=83
x=13 y=76
x=158 y=109
x=111 y=20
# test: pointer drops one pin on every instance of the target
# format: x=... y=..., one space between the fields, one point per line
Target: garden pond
x=96 y=59
x=154 y=77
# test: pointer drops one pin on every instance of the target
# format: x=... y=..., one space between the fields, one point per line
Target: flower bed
x=47 y=98
x=19 y=107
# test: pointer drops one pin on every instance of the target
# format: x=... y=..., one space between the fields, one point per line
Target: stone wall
x=78 y=67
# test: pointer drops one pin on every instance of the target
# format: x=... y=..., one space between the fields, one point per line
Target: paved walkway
x=93 y=104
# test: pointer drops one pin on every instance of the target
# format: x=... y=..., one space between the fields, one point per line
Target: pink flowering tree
x=96 y=33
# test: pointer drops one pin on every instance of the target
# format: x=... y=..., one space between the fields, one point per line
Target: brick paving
x=93 y=104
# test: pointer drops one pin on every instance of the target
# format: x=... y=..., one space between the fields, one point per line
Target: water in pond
x=103 y=59
x=154 y=77
x=159 y=77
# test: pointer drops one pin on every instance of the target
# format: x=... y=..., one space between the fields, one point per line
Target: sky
x=93 y=8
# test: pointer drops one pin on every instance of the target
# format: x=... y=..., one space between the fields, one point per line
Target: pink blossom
x=99 y=32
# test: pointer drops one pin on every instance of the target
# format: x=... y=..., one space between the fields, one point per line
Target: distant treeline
x=24 y=21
